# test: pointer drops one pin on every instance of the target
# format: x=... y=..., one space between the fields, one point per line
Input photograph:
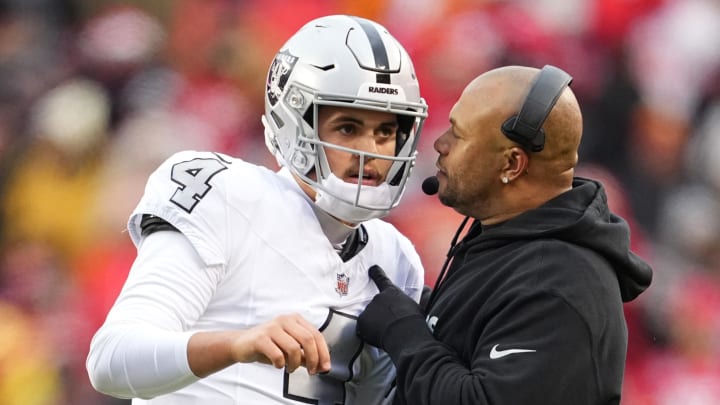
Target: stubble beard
x=448 y=197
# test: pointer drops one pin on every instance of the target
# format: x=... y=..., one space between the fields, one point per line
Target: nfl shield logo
x=342 y=284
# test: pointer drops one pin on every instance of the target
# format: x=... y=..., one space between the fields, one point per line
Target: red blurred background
x=94 y=94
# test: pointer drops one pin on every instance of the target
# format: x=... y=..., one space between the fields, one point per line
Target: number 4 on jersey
x=194 y=176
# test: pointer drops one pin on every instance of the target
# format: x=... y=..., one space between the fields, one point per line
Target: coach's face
x=471 y=151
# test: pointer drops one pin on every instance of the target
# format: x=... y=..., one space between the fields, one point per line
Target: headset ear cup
x=525 y=127
x=534 y=144
x=507 y=128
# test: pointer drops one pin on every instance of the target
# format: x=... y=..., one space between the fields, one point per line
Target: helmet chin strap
x=339 y=200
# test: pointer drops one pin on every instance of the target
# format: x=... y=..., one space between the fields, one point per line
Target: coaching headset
x=525 y=128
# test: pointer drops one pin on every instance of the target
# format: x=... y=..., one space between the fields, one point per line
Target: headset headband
x=525 y=128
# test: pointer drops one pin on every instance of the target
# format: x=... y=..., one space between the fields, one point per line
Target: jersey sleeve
x=188 y=191
x=150 y=320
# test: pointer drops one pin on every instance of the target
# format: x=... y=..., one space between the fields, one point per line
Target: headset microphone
x=431 y=185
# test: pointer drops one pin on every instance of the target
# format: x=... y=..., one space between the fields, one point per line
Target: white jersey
x=256 y=231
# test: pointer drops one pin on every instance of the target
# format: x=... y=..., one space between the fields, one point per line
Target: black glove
x=425 y=298
x=387 y=310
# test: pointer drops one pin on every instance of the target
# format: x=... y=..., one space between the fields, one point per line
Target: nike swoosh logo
x=496 y=354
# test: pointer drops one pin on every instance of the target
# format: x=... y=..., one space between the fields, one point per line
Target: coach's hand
x=389 y=309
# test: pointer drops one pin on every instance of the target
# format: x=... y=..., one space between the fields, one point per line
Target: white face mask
x=339 y=200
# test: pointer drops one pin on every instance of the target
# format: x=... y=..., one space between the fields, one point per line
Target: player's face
x=363 y=130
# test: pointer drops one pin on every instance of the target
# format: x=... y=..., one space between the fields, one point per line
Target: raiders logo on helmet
x=280 y=70
x=383 y=90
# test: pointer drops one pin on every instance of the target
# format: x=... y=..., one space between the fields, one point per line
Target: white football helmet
x=342 y=61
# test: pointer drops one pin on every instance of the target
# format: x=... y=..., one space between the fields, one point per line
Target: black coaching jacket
x=531 y=311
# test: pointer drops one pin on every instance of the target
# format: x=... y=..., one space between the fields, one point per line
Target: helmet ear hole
x=278 y=121
x=308 y=116
x=405 y=127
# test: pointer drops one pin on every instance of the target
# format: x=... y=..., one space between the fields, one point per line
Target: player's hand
x=386 y=310
x=288 y=341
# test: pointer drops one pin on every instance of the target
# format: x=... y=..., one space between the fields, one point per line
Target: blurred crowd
x=94 y=94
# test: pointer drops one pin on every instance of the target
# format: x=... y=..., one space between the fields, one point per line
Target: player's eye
x=346 y=129
x=387 y=131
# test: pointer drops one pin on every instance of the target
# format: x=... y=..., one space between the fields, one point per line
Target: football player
x=248 y=281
